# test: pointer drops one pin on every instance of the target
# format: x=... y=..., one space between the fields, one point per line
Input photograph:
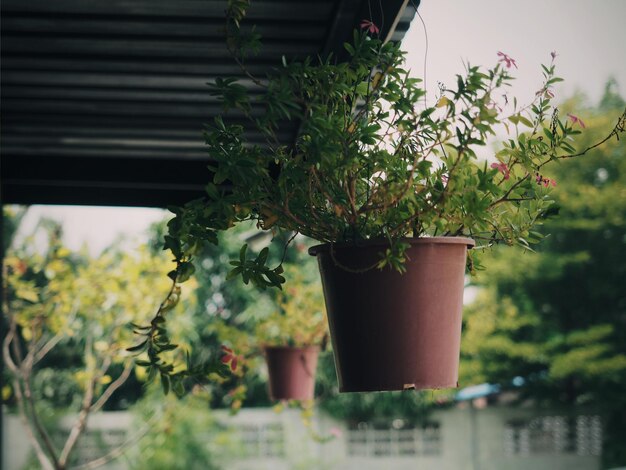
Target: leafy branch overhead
x=372 y=159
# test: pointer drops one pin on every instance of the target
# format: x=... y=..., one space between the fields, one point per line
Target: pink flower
x=545 y=181
x=229 y=357
x=502 y=168
x=576 y=120
x=508 y=61
x=553 y=54
x=369 y=26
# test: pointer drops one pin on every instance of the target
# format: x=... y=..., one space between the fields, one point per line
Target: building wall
x=493 y=438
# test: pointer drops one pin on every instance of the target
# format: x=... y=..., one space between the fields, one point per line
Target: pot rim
x=324 y=247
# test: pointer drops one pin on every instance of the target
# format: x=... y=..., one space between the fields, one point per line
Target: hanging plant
x=372 y=160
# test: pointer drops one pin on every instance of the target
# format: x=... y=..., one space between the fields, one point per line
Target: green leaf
x=185 y=271
x=233 y=273
x=262 y=258
x=526 y=122
x=139 y=347
x=165 y=383
x=178 y=388
x=173 y=245
x=27 y=294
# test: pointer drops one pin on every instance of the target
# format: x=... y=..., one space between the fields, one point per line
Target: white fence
x=494 y=438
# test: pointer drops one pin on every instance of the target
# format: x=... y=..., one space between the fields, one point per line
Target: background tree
x=69 y=321
x=557 y=318
x=184 y=433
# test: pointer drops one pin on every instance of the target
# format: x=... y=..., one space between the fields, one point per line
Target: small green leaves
x=165 y=383
x=394 y=257
x=256 y=270
x=184 y=271
x=174 y=245
x=139 y=347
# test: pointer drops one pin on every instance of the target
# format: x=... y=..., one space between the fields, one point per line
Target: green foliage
x=298 y=317
x=371 y=160
x=68 y=327
x=557 y=317
x=294 y=316
x=181 y=434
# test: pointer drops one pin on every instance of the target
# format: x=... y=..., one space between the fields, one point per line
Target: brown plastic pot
x=291 y=372
x=393 y=331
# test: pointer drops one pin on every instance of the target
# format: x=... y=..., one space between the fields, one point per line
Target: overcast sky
x=588 y=36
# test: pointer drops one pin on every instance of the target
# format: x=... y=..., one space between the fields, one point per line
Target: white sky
x=97 y=227
x=588 y=36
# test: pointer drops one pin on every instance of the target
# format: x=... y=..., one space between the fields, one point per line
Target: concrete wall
x=469 y=439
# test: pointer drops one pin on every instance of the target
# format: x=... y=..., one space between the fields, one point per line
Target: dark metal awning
x=103 y=101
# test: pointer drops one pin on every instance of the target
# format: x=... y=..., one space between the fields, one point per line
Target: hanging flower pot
x=372 y=161
x=291 y=372
x=393 y=331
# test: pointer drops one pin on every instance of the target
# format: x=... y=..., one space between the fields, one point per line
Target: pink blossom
x=508 y=60
x=502 y=168
x=576 y=120
x=545 y=181
x=553 y=54
x=229 y=357
x=369 y=26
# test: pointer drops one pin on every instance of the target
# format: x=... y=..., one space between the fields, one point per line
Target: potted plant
x=392 y=185
x=288 y=329
x=291 y=338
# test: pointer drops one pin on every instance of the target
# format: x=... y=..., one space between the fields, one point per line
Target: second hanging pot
x=291 y=372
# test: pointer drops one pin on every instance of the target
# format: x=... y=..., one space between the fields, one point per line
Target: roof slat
x=209 y=9
x=104 y=101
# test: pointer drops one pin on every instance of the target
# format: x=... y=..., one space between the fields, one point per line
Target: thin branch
x=118 y=451
x=24 y=373
x=81 y=422
x=47 y=348
x=619 y=127
x=113 y=386
x=6 y=353
x=509 y=191
x=21 y=377
x=44 y=460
